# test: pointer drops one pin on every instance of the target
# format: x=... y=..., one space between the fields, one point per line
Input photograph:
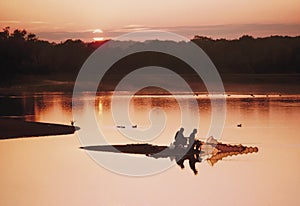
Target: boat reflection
x=211 y=150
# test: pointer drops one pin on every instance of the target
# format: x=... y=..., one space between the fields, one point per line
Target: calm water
x=53 y=171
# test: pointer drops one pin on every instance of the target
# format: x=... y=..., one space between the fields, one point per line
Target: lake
x=53 y=169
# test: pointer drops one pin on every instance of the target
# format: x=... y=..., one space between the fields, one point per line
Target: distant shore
x=18 y=128
x=253 y=83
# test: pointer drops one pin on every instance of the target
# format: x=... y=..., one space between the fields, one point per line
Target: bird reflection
x=211 y=150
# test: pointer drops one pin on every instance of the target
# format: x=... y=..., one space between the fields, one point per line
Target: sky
x=58 y=20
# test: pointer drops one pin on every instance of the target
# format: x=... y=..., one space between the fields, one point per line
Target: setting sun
x=97 y=31
x=98 y=38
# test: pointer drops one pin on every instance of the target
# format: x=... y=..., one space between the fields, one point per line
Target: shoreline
x=12 y=128
x=233 y=83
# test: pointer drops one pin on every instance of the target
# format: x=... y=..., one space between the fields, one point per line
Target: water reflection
x=56 y=107
x=268 y=177
x=32 y=107
x=211 y=150
x=17 y=106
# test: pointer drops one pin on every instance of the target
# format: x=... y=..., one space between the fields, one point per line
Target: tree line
x=22 y=53
x=274 y=54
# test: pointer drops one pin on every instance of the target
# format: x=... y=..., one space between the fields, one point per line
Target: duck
x=120 y=126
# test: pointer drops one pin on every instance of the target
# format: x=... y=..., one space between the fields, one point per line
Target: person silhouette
x=193 y=159
x=179 y=161
x=179 y=138
x=192 y=139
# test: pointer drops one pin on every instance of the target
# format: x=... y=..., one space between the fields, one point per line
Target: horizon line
x=215 y=32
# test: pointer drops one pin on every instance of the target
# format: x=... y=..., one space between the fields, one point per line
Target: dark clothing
x=192 y=138
x=193 y=159
x=180 y=139
x=197 y=144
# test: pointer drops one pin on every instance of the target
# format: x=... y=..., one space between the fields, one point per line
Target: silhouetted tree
x=19 y=34
x=5 y=33
x=22 y=53
x=31 y=37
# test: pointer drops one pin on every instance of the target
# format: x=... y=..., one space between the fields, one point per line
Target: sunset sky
x=58 y=20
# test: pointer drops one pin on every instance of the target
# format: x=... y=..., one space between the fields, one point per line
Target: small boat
x=211 y=149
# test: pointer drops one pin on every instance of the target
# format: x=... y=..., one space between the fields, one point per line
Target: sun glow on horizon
x=98 y=38
x=97 y=31
x=218 y=19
